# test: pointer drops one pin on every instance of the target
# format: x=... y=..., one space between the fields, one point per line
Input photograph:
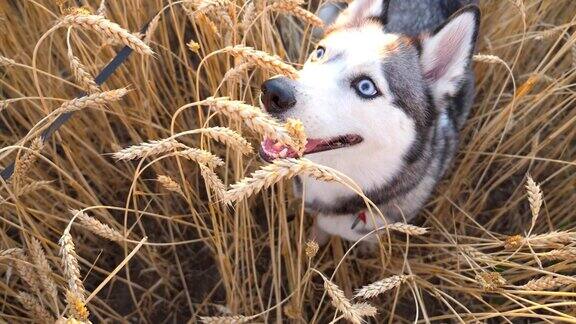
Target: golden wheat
x=148 y=149
x=490 y=281
x=25 y=162
x=32 y=304
x=295 y=129
x=201 y=156
x=566 y=253
x=534 y=198
x=311 y=249
x=490 y=59
x=169 y=184
x=70 y=264
x=4 y=61
x=108 y=30
x=213 y=181
x=273 y=173
x=297 y=11
x=235 y=74
x=76 y=306
x=547 y=283
x=340 y=302
x=364 y=309
x=97 y=227
x=407 y=229
x=44 y=270
x=376 y=288
x=91 y=101
x=236 y=319
x=229 y=137
x=262 y=59
x=81 y=74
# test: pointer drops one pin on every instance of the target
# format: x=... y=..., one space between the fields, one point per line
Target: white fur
x=329 y=107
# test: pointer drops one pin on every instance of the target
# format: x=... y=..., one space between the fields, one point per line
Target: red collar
x=361 y=217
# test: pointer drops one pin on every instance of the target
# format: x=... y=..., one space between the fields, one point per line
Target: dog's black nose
x=278 y=95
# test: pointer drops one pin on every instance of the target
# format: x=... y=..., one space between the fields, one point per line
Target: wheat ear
x=534 y=198
x=33 y=306
x=97 y=227
x=297 y=11
x=169 y=184
x=236 y=319
x=566 y=253
x=4 y=61
x=32 y=187
x=213 y=182
x=253 y=117
x=229 y=137
x=364 y=309
x=490 y=281
x=201 y=156
x=77 y=307
x=248 y=16
x=273 y=173
x=295 y=129
x=43 y=268
x=376 y=288
x=340 y=302
x=490 y=59
x=546 y=283
x=24 y=163
x=93 y=100
x=27 y=272
x=108 y=29
x=407 y=229
x=312 y=249
x=81 y=74
x=262 y=59
x=235 y=74
x=147 y=149
x=70 y=264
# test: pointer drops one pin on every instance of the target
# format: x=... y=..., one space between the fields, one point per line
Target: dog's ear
x=447 y=52
x=360 y=10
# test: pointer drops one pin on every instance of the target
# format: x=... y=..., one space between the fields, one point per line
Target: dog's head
x=368 y=94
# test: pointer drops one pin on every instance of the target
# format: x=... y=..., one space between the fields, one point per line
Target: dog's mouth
x=271 y=149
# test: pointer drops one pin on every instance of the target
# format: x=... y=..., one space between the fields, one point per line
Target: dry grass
x=497 y=246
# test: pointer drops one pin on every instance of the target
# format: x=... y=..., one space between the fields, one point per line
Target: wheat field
x=149 y=205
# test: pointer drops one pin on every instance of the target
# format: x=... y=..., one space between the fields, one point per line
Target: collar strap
x=361 y=217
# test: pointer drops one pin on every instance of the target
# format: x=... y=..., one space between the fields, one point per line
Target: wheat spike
x=229 y=137
x=295 y=129
x=169 y=184
x=546 y=283
x=380 y=286
x=96 y=227
x=76 y=307
x=201 y=156
x=297 y=11
x=273 y=173
x=93 y=100
x=253 y=117
x=11 y=252
x=476 y=254
x=248 y=16
x=340 y=302
x=364 y=309
x=312 y=249
x=209 y=5
x=43 y=268
x=3 y=105
x=32 y=187
x=490 y=59
x=70 y=264
x=101 y=11
x=490 y=281
x=236 y=74
x=32 y=304
x=4 y=61
x=81 y=74
x=554 y=237
x=27 y=272
x=24 y=163
x=566 y=253
x=213 y=181
x=108 y=30
x=147 y=149
x=407 y=229
x=236 y=319
x=262 y=59
x=534 y=198
x=151 y=29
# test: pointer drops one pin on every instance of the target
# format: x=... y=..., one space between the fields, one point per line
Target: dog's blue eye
x=365 y=87
x=319 y=53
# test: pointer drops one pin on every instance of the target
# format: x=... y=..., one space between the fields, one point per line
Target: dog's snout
x=278 y=95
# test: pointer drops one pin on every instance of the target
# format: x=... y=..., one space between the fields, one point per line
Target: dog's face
x=367 y=96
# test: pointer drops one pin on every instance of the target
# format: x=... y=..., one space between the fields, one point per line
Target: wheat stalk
x=108 y=30
x=340 y=302
x=297 y=11
x=262 y=59
x=93 y=100
x=148 y=149
x=96 y=227
x=213 y=181
x=534 y=198
x=43 y=268
x=229 y=137
x=546 y=283
x=273 y=173
x=81 y=74
x=376 y=288
x=169 y=184
x=253 y=117
x=70 y=264
x=236 y=319
x=33 y=306
x=201 y=156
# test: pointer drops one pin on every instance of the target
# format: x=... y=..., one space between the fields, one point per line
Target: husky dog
x=382 y=98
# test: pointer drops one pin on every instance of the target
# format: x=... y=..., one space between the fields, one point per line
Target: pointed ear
x=447 y=52
x=359 y=10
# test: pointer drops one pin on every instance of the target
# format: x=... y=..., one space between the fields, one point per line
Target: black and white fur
x=417 y=53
